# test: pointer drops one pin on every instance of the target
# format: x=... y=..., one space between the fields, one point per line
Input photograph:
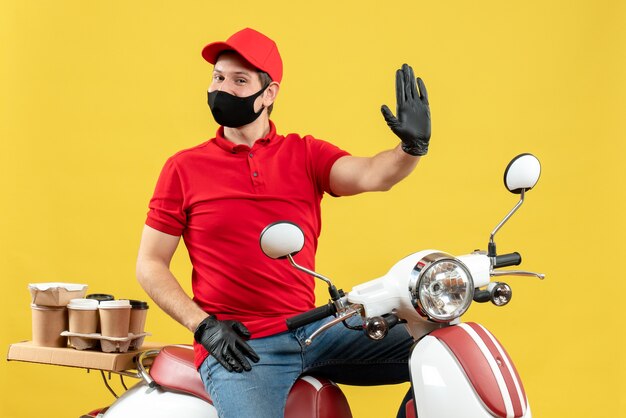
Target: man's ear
x=269 y=96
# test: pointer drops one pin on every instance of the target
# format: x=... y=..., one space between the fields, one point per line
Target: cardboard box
x=114 y=362
x=56 y=294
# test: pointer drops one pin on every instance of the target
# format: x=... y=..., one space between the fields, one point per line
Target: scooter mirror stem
x=334 y=293
x=492 y=245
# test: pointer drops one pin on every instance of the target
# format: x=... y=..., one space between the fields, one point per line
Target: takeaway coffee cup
x=100 y=297
x=48 y=324
x=114 y=318
x=83 y=316
x=138 y=314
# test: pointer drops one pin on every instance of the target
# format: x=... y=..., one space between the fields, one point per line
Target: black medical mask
x=233 y=111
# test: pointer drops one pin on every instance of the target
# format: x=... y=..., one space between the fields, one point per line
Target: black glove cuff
x=416 y=150
x=209 y=321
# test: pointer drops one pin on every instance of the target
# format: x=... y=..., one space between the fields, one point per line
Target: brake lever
x=540 y=276
x=348 y=313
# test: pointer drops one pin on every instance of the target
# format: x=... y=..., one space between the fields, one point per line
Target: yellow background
x=95 y=95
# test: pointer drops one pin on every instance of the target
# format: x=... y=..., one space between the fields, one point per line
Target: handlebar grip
x=482 y=296
x=505 y=260
x=311 y=316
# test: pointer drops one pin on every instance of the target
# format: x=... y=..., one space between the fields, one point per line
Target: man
x=221 y=194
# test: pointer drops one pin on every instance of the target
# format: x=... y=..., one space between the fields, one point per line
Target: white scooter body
x=144 y=401
x=448 y=363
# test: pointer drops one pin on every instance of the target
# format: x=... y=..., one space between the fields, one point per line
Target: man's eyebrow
x=247 y=73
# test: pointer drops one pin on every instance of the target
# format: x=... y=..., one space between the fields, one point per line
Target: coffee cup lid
x=114 y=304
x=138 y=304
x=84 y=304
x=100 y=296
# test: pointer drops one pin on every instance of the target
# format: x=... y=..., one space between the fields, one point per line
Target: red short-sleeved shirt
x=219 y=196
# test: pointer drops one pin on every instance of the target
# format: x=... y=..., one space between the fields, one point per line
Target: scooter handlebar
x=506 y=260
x=311 y=316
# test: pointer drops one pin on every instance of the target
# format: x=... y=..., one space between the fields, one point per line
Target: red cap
x=256 y=48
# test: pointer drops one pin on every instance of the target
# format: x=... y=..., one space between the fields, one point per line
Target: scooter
x=457 y=369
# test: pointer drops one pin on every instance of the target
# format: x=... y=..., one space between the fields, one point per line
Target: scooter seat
x=312 y=397
x=173 y=368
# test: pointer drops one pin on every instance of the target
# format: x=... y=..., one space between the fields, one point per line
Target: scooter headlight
x=442 y=287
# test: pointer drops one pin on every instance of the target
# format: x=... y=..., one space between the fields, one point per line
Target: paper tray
x=107 y=344
x=97 y=360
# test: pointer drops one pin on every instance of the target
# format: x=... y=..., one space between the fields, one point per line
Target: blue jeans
x=340 y=354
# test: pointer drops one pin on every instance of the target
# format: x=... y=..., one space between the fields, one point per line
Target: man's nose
x=227 y=86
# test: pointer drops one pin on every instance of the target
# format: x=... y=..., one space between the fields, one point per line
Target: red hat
x=256 y=48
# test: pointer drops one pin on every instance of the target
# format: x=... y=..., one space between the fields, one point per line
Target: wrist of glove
x=412 y=120
x=416 y=150
x=226 y=342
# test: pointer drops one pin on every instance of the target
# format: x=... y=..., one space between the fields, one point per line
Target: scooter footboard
x=463 y=370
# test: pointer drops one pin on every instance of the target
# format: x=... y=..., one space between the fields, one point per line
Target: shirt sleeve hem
x=167 y=229
x=329 y=166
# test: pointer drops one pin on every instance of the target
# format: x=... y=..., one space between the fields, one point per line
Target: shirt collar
x=229 y=146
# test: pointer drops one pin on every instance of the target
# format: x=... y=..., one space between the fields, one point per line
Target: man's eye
x=241 y=81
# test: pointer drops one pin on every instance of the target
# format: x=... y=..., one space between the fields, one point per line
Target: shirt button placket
x=255 y=173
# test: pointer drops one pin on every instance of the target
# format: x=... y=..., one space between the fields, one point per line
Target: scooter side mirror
x=285 y=239
x=522 y=173
x=280 y=239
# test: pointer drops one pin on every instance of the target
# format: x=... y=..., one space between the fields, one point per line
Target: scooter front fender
x=463 y=371
x=143 y=401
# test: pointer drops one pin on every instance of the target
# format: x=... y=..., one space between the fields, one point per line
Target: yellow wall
x=95 y=95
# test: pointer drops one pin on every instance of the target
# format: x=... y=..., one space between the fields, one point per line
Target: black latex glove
x=225 y=341
x=412 y=124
